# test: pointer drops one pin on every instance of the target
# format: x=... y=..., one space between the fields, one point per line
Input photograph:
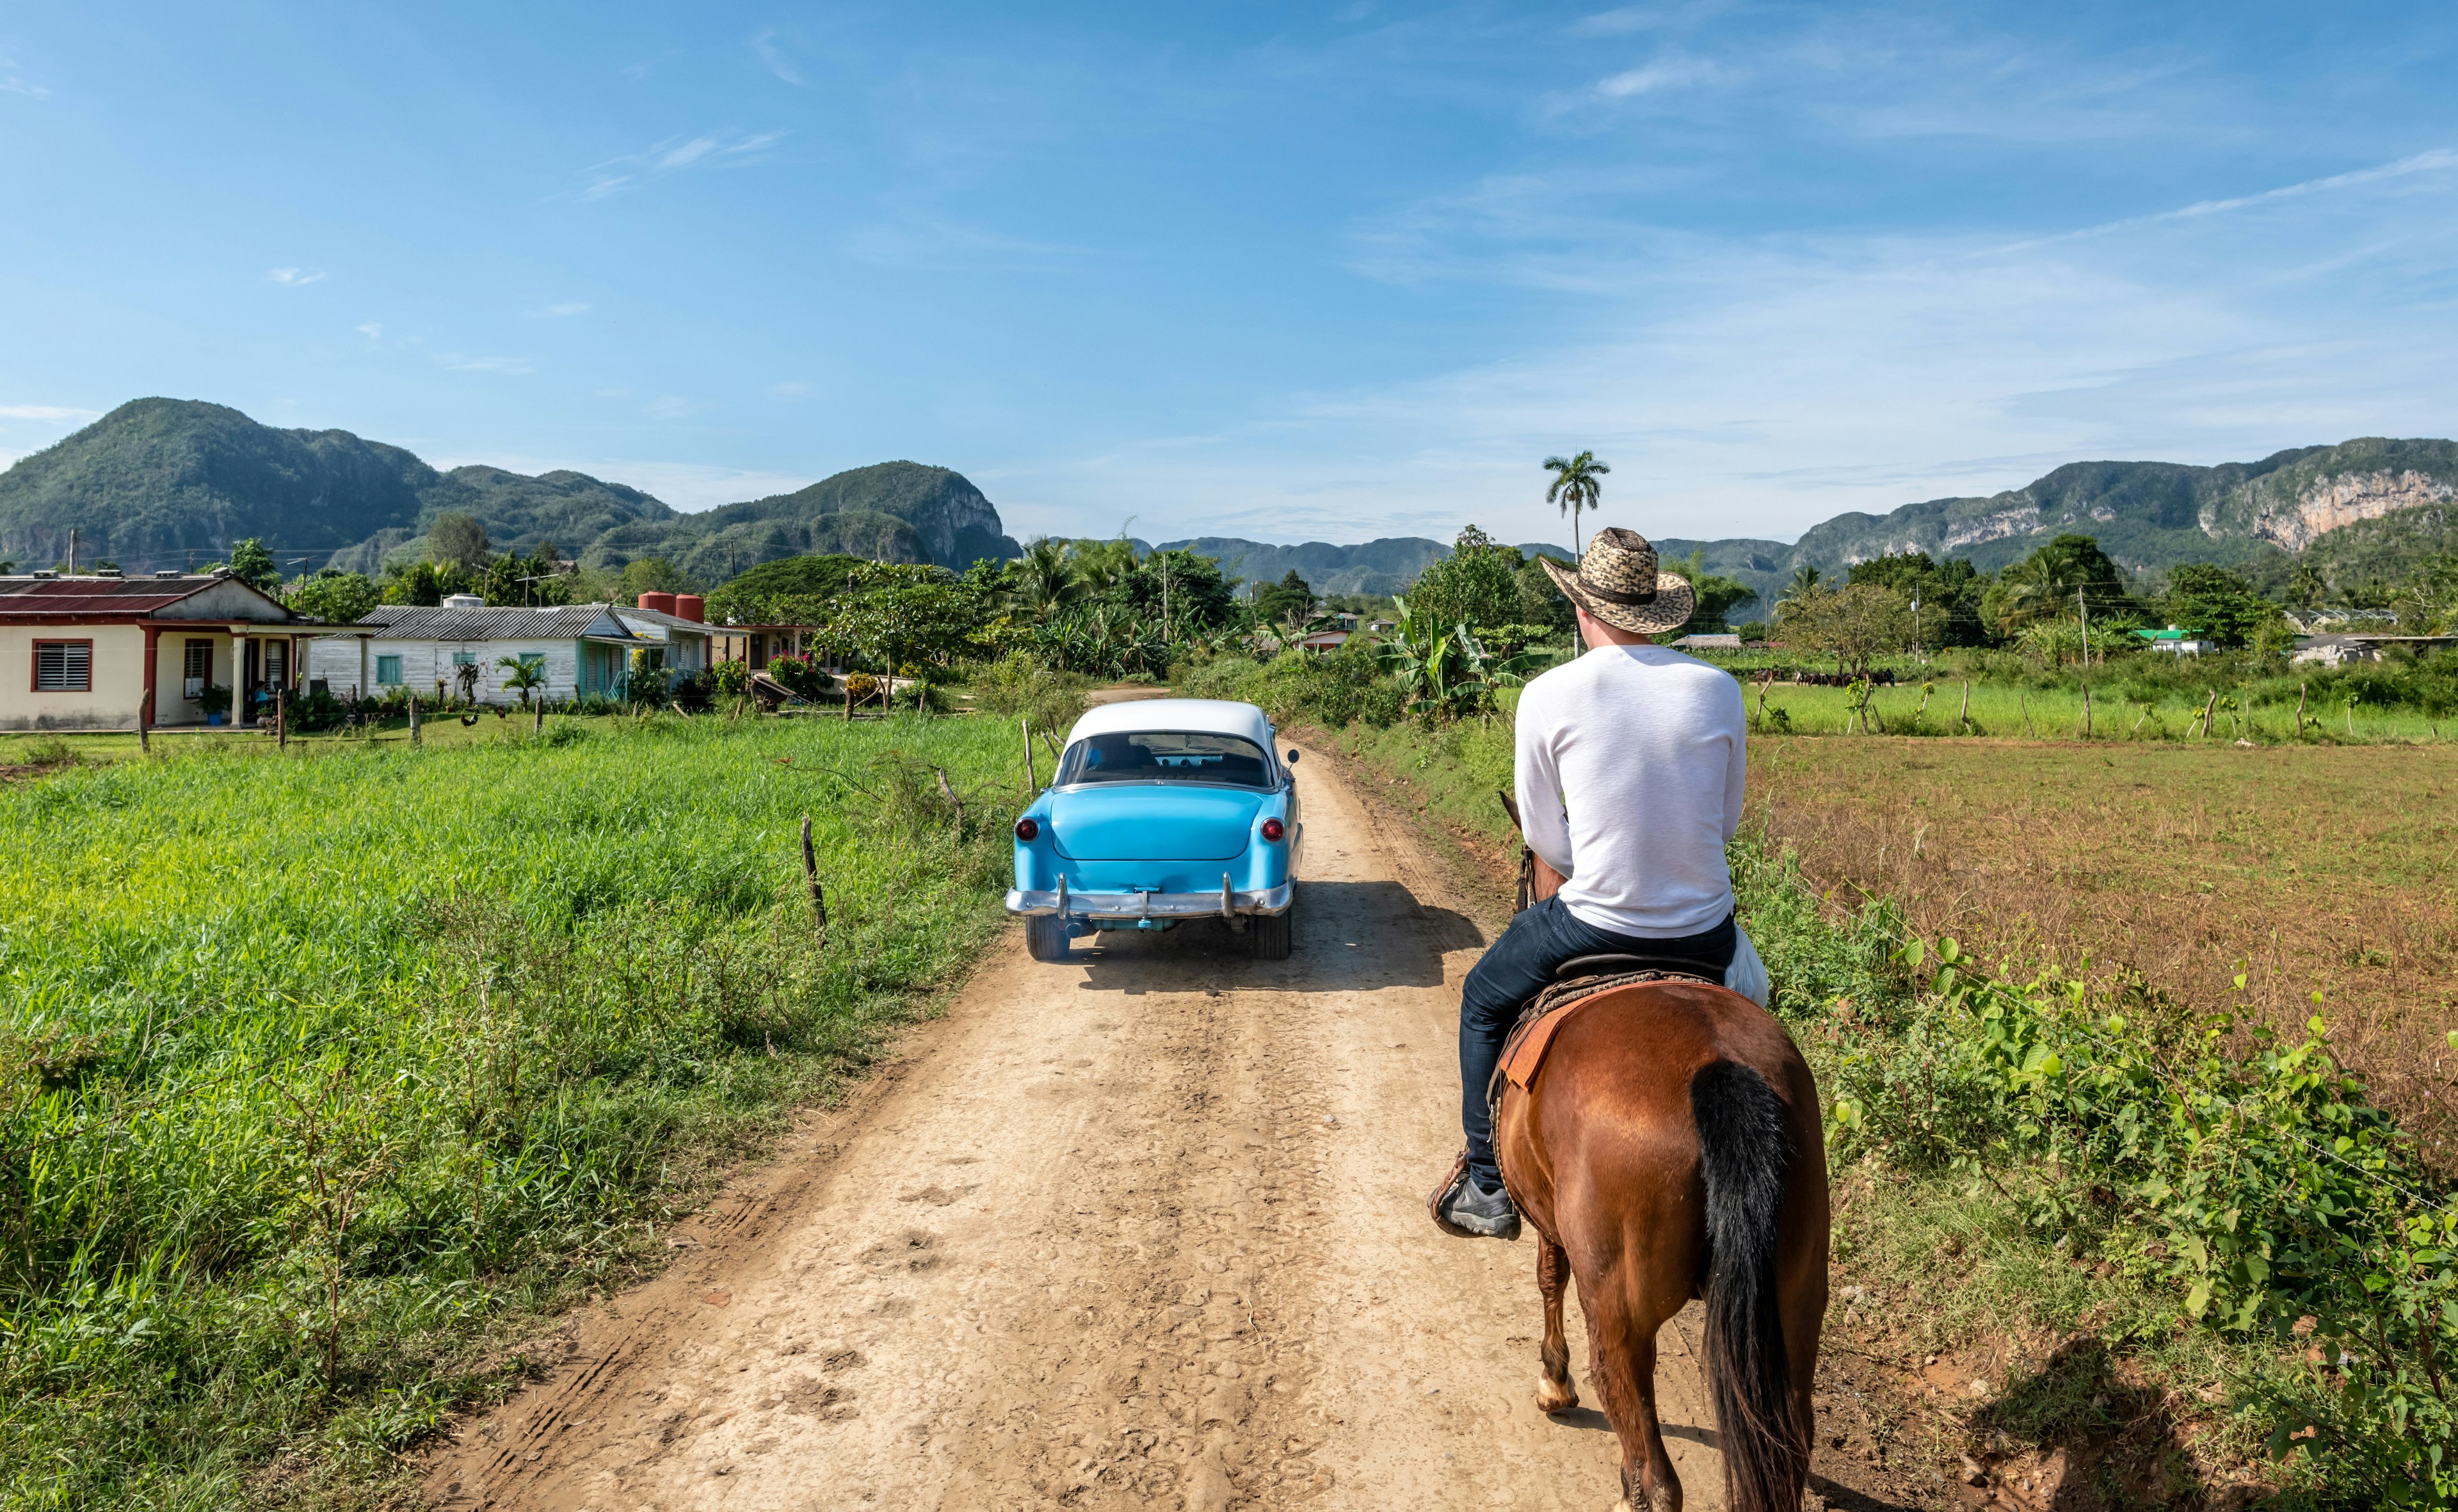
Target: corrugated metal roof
x=564 y=622
x=96 y=595
x=661 y=620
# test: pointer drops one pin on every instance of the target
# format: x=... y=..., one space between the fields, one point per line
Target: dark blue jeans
x=1517 y=967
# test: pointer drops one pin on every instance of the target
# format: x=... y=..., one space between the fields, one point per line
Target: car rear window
x=1165 y=755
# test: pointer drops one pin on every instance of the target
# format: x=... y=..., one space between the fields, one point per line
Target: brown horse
x=1669 y=1148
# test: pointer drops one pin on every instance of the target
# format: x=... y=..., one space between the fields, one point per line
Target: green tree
x=2215 y=601
x=1715 y=594
x=1854 y=624
x=523 y=675
x=2061 y=578
x=1575 y=487
x=337 y=598
x=423 y=584
x=457 y=539
x=1043 y=580
x=655 y=574
x=1476 y=585
x=1540 y=602
x=535 y=580
x=252 y=563
x=1290 y=601
x=1946 y=594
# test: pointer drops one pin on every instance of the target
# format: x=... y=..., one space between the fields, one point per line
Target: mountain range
x=169 y=483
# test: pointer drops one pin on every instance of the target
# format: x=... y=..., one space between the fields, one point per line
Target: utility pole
x=1920 y=647
x=2083 y=604
x=72 y=549
x=1168 y=633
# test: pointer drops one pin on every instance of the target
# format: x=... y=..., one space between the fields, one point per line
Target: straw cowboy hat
x=1619 y=583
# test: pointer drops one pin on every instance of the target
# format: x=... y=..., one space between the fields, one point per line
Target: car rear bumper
x=1152 y=905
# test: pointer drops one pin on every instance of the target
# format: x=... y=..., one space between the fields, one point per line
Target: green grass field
x=2003 y=711
x=320 y=1072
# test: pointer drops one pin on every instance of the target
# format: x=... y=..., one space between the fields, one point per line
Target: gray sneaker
x=1470 y=1210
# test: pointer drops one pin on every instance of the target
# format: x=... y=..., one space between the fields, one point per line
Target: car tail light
x=1272 y=830
x=1026 y=829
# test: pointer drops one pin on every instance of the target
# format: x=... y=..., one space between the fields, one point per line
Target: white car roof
x=1201 y=716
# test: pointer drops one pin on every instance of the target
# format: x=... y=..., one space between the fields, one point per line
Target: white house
x=584 y=650
x=102 y=651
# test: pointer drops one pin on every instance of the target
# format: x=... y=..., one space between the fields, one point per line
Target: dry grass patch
x=2301 y=870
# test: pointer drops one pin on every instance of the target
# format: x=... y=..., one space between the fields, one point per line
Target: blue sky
x=1276 y=271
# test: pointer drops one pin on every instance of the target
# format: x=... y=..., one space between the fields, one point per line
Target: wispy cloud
x=48 y=412
x=673 y=154
x=295 y=278
x=559 y=312
x=12 y=82
x=1672 y=70
x=460 y=364
x=1626 y=19
x=673 y=406
x=779 y=62
x=371 y=330
x=931 y=243
x=794 y=389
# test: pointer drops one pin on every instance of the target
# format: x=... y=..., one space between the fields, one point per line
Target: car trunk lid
x=1153 y=822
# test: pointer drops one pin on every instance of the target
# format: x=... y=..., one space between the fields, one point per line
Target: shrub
x=1015 y=686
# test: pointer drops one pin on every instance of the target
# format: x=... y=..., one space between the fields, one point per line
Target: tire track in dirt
x=1142 y=1229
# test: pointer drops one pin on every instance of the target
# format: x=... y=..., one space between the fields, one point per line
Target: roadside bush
x=1015 y=686
x=2245 y=1178
x=1344 y=688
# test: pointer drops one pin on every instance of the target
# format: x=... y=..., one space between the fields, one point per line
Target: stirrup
x=1434 y=1200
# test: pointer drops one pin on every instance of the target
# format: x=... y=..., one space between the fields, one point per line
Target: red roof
x=114 y=598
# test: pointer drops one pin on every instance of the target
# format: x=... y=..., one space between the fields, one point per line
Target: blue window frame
x=388 y=672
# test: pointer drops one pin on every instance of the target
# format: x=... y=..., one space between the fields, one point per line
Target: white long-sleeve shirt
x=1630 y=766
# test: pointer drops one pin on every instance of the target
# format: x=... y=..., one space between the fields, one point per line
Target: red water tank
x=691 y=606
x=658 y=603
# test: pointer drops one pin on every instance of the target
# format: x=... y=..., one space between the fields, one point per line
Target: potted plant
x=215 y=700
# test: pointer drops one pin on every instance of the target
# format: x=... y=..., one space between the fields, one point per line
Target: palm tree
x=1045 y=578
x=525 y=673
x=1574 y=489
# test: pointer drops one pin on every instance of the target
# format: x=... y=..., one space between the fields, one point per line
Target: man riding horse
x=1629 y=774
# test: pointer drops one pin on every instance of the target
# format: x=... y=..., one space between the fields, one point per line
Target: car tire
x=1269 y=935
x=1044 y=937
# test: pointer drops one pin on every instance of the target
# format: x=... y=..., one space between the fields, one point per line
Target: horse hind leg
x=1622 y=1361
x=1555 y=1392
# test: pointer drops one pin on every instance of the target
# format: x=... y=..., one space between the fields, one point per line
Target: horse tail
x=1744 y=1152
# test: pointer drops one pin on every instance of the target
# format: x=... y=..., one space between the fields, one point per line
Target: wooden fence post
x=413 y=719
x=2086 y=710
x=1031 y=782
x=281 y=719
x=2210 y=706
x=1964 y=719
x=2302 y=689
x=811 y=879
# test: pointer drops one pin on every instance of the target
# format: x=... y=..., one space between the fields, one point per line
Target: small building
x=103 y=652
x=583 y=650
x=2337 y=651
x=1323 y=642
x=2176 y=642
x=754 y=646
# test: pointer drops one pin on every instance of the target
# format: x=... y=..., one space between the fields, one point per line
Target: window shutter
x=64 y=666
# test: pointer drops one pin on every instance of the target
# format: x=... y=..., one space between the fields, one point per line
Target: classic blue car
x=1161 y=811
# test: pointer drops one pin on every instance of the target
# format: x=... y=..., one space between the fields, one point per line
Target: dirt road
x=1144 y=1230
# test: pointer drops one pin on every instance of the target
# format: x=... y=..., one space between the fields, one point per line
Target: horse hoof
x=1551 y=1398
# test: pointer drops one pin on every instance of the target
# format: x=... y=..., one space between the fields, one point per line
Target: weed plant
x=319 y=1071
